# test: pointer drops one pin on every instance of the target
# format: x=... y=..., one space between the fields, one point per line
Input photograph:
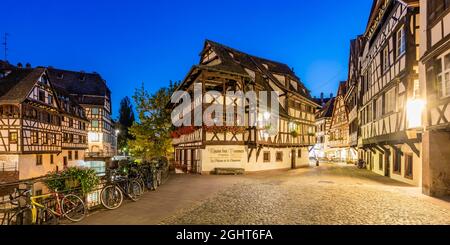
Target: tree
x=152 y=132
x=126 y=120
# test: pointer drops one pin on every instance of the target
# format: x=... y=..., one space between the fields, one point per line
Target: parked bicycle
x=361 y=164
x=37 y=211
x=112 y=194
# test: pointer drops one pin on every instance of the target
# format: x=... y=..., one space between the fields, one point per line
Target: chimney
x=28 y=65
x=19 y=65
x=331 y=96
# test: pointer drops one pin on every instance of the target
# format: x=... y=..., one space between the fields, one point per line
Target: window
x=436 y=8
x=95 y=123
x=279 y=156
x=70 y=122
x=70 y=155
x=386 y=63
x=94 y=111
x=409 y=166
x=52 y=160
x=76 y=155
x=379 y=107
x=38 y=160
x=41 y=95
x=34 y=137
x=397 y=161
x=53 y=139
x=390 y=101
x=13 y=137
x=266 y=156
x=299 y=153
x=443 y=75
x=401 y=42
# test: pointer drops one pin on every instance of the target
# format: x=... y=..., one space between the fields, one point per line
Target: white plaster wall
x=207 y=154
x=255 y=165
x=28 y=168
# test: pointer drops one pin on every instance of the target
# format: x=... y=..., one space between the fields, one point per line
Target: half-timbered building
x=389 y=84
x=352 y=95
x=339 y=143
x=203 y=149
x=31 y=128
x=92 y=93
x=323 y=125
x=435 y=84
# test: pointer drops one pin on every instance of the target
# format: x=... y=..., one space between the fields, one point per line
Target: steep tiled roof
x=237 y=61
x=4 y=65
x=327 y=110
x=79 y=83
x=15 y=87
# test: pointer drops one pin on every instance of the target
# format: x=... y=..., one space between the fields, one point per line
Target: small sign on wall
x=225 y=155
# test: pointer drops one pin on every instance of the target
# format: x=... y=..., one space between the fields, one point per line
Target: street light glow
x=414 y=110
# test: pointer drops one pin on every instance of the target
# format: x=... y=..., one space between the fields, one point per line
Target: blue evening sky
x=154 y=41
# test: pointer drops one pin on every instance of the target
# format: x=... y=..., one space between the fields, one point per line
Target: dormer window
x=266 y=66
x=61 y=76
x=83 y=77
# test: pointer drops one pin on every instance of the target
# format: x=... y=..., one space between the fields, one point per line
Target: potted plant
x=73 y=179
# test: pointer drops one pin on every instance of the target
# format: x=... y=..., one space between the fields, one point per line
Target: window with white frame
x=401 y=42
x=443 y=75
x=390 y=101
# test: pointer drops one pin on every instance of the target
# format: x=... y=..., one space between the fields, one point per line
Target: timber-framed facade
x=390 y=79
x=93 y=94
x=435 y=79
x=32 y=124
x=204 y=149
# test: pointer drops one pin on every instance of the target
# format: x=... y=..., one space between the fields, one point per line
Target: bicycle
x=35 y=212
x=112 y=194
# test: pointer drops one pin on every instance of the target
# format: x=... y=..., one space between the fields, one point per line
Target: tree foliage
x=152 y=132
x=126 y=120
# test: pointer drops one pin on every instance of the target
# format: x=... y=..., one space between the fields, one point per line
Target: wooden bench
x=229 y=171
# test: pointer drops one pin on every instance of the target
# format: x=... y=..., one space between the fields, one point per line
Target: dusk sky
x=152 y=42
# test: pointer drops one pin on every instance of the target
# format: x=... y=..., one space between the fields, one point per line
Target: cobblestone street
x=326 y=195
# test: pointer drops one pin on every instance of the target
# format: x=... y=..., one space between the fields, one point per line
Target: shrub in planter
x=72 y=178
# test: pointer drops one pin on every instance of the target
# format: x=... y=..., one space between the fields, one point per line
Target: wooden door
x=293 y=159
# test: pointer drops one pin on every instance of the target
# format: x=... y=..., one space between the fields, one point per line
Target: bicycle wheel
x=134 y=190
x=46 y=217
x=21 y=217
x=158 y=178
x=73 y=208
x=154 y=179
x=111 y=197
x=142 y=183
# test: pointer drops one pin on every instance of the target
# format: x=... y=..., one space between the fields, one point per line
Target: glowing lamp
x=414 y=110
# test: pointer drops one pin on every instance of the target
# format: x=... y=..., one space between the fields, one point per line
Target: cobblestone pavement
x=325 y=195
x=329 y=194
